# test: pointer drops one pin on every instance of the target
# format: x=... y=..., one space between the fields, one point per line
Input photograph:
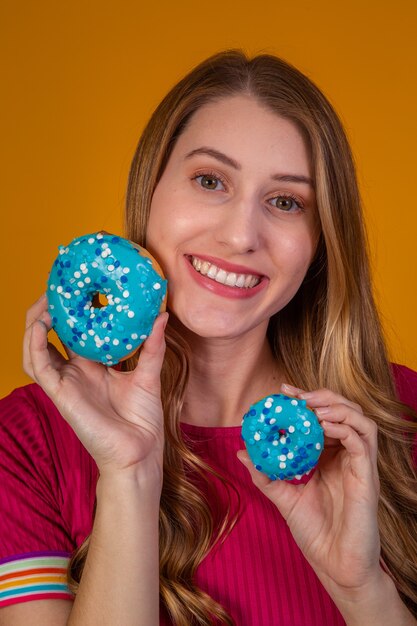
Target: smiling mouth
x=242 y=281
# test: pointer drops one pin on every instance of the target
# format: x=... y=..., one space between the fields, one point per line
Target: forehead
x=247 y=131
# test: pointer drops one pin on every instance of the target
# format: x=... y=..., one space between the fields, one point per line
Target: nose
x=240 y=229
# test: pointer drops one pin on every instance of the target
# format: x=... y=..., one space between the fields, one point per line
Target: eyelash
x=222 y=180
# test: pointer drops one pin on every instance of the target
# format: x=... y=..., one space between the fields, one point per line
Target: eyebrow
x=285 y=178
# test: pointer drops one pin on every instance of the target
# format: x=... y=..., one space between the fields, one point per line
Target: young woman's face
x=233 y=218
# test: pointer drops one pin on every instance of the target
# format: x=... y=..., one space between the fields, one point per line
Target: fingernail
x=290 y=388
x=166 y=319
x=306 y=395
x=323 y=410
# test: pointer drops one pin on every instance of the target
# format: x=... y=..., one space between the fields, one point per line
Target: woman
x=243 y=187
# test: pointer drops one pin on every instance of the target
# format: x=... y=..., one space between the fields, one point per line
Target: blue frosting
x=104 y=264
x=282 y=436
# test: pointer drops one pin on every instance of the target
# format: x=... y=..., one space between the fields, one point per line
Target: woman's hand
x=116 y=415
x=333 y=517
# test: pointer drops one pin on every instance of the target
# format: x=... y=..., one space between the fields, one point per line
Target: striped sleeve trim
x=35 y=577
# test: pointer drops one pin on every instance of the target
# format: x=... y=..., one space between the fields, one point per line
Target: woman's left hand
x=333 y=517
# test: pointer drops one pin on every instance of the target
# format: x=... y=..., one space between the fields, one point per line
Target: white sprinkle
x=107 y=339
x=87 y=279
x=126 y=294
x=282 y=457
x=77 y=274
x=116 y=342
x=294 y=402
x=257 y=436
x=77 y=292
x=104 y=325
x=126 y=270
x=290 y=455
x=143 y=336
x=70 y=323
x=91 y=240
x=283 y=440
x=80 y=284
x=307 y=423
x=59 y=289
x=275 y=442
x=99 y=236
x=129 y=346
x=110 y=268
x=61 y=251
x=130 y=314
x=268 y=405
x=134 y=336
x=298 y=476
x=291 y=429
x=117 y=300
x=94 y=264
x=157 y=286
x=83 y=266
x=272 y=420
x=270 y=399
x=119 y=308
x=318 y=446
x=82 y=343
x=67 y=296
x=108 y=356
x=52 y=287
x=84 y=336
x=52 y=306
x=111 y=314
x=104 y=245
x=278 y=409
x=103 y=254
x=282 y=465
x=91 y=331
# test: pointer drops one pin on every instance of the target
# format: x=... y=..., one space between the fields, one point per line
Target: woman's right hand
x=116 y=415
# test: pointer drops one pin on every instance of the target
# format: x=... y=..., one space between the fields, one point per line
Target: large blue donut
x=120 y=271
x=282 y=436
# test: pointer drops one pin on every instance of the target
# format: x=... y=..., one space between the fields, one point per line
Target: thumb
x=148 y=370
x=283 y=494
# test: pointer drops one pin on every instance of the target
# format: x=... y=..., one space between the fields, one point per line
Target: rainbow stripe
x=35 y=576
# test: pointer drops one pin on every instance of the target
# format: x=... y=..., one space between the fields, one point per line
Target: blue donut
x=282 y=436
x=127 y=279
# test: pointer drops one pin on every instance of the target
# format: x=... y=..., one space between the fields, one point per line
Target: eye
x=286 y=203
x=210 y=182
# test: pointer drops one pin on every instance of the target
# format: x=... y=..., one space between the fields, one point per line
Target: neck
x=227 y=375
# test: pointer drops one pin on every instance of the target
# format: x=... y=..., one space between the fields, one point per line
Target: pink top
x=47 y=491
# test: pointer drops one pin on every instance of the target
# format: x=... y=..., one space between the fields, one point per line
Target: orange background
x=81 y=78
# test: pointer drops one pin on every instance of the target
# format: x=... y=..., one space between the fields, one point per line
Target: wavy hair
x=328 y=335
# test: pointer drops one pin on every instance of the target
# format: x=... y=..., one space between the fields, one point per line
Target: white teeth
x=231 y=279
x=221 y=276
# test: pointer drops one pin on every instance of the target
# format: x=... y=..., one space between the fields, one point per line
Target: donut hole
x=99 y=300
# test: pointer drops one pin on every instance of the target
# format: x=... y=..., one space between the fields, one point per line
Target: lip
x=225 y=290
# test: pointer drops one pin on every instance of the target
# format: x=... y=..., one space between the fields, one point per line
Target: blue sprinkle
x=67 y=263
x=106 y=347
x=281 y=476
x=116 y=263
x=54 y=320
x=252 y=412
x=294 y=465
x=75 y=338
x=264 y=455
x=59 y=272
x=71 y=312
x=70 y=344
x=309 y=445
x=97 y=251
x=285 y=450
x=265 y=411
x=271 y=438
x=103 y=279
x=125 y=340
x=123 y=279
x=259 y=468
x=115 y=239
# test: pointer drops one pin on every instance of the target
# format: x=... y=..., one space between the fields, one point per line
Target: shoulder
x=406 y=384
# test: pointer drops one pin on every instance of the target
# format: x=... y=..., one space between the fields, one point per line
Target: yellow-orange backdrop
x=80 y=79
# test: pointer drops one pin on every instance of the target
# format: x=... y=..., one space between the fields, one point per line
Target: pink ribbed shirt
x=47 y=491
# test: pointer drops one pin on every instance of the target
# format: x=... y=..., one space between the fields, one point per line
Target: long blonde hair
x=328 y=335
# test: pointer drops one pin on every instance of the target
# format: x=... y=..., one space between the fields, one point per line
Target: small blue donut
x=283 y=438
x=125 y=275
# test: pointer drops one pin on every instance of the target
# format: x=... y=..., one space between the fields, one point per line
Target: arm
x=334 y=516
x=118 y=418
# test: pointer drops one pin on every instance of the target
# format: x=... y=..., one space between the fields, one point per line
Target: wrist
x=144 y=479
x=376 y=602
